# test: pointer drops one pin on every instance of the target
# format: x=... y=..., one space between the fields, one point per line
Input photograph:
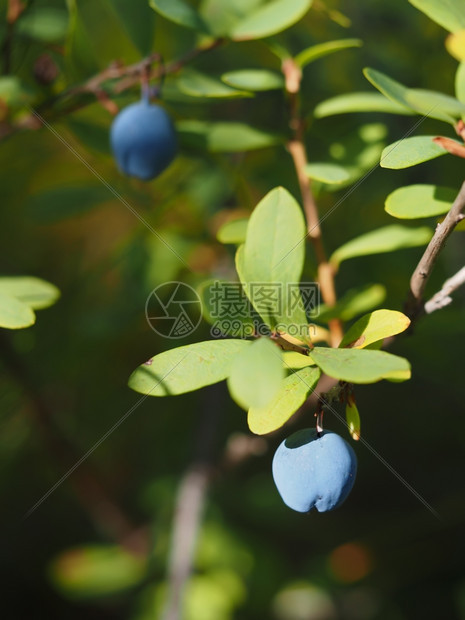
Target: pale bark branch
x=442 y=298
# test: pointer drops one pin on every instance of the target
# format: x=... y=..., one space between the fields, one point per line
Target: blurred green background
x=99 y=545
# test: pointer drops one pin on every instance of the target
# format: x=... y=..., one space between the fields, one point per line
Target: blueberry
x=143 y=140
x=312 y=470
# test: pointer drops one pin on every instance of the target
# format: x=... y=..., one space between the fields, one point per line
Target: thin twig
x=297 y=150
x=442 y=298
x=414 y=305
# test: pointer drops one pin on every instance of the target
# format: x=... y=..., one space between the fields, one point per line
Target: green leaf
x=273 y=255
x=196 y=84
x=234 y=231
x=447 y=13
x=332 y=174
x=414 y=201
x=58 y=203
x=354 y=302
x=425 y=102
x=324 y=49
x=460 y=82
x=410 y=152
x=34 y=292
x=96 y=571
x=386 y=239
x=292 y=395
x=180 y=13
x=186 y=368
x=222 y=16
x=375 y=326
x=361 y=365
x=271 y=18
x=138 y=20
x=254 y=79
x=226 y=137
x=256 y=374
x=14 y=314
x=353 y=419
x=45 y=24
x=293 y=359
x=359 y=102
x=226 y=307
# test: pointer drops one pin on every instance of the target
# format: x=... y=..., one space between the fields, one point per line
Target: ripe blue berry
x=312 y=470
x=143 y=140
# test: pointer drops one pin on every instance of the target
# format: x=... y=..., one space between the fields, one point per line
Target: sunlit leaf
x=256 y=374
x=273 y=256
x=198 y=84
x=386 y=239
x=447 y=13
x=359 y=102
x=254 y=79
x=34 y=292
x=329 y=173
x=455 y=45
x=361 y=365
x=226 y=307
x=268 y=19
x=410 y=152
x=375 y=326
x=234 y=231
x=324 y=49
x=414 y=201
x=425 y=102
x=292 y=395
x=227 y=137
x=14 y=314
x=186 y=368
x=180 y=13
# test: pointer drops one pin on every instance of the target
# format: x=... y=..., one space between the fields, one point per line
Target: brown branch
x=414 y=304
x=88 y=488
x=297 y=150
x=442 y=298
x=112 y=81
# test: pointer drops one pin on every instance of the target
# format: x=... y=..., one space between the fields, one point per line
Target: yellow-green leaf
x=315 y=52
x=375 y=326
x=292 y=395
x=416 y=201
x=14 y=314
x=353 y=419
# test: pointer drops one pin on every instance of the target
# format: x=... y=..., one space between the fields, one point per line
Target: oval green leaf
x=324 y=49
x=270 y=18
x=33 y=292
x=198 y=84
x=373 y=327
x=415 y=201
x=359 y=102
x=254 y=79
x=180 y=13
x=447 y=13
x=425 y=102
x=14 y=314
x=256 y=374
x=226 y=137
x=234 y=231
x=292 y=395
x=410 y=152
x=44 y=24
x=361 y=365
x=332 y=174
x=386 y=239
x=295 y=360
x=186 y=368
